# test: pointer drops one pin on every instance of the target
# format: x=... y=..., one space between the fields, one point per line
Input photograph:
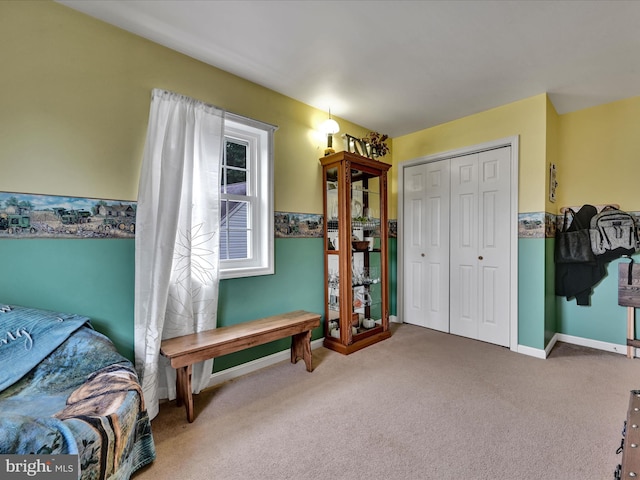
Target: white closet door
x=494 y=245
x=464 y=246
x=480 y=246
x=426 y=244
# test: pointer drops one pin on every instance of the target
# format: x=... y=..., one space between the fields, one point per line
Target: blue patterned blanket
x=80 y=397
x=28 y=335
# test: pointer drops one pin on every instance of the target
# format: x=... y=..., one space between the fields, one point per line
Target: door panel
x=415 y=295
x=416 y=218
x=414 y=183
x=464 y=246
x=426 y=203
x=434 y=286
x=495 y=245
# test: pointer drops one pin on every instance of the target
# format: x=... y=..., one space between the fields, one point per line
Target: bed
x=64 y=389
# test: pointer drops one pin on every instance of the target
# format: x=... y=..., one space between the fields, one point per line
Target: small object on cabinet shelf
x=377 y=143
x=372 y=146
x=356 y=145
x=360 y=246
x=356 y=209
x=368 y=323
x=369 y=241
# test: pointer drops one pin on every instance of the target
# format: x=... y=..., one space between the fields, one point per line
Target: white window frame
x=260 y=256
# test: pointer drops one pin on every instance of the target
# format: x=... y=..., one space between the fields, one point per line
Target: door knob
x=480 y=257
x=422 y=254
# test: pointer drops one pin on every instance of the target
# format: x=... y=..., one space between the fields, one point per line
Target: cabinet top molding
x=355 y=158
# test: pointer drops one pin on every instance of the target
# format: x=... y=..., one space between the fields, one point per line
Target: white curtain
x=177 y=236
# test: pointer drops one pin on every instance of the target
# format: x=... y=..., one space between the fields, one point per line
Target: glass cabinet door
x=365 y=250
x=332 y=247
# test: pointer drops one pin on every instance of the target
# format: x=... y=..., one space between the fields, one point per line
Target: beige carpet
x=420 y=405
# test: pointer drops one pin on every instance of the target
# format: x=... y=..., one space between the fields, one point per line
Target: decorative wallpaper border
x=545 y=224
x=536 y=225
x=25 y=215
x=310 y=225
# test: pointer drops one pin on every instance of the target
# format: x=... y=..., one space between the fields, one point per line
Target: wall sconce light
x=329 y=127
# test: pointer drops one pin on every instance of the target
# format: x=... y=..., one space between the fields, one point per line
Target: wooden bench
x=186 y=350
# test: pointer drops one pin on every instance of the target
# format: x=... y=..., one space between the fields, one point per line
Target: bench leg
x=183 y=390
x=301 y=348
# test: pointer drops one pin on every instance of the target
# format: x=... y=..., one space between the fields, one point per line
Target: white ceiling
x=402 y=66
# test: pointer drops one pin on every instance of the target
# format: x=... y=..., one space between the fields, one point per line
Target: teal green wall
x=88 y=277
x=604 y=320
x=531 y=292
x=297 y=285
x=550 y=317
x=96 y=278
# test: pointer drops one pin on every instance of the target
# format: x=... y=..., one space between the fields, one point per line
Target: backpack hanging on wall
x=613 y=233
x=573 y=243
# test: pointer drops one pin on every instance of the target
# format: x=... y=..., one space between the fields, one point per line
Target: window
x=246 y=199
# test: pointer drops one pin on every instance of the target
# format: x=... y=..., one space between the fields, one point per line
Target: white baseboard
x=583 y=342
x=532 y=352
x=550 y=346
x=239 y=370
x=597 y=344
x=394 y=319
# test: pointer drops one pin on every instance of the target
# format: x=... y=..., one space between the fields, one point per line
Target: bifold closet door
x=480 y=246
x=426 y=245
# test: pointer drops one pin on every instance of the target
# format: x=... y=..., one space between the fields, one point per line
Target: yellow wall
x=596 y=150
x=75 y=105
x=526 y=118
x=553 y=156
x=600 y=155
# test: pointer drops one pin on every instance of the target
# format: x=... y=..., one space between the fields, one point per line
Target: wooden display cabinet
x=355 y=241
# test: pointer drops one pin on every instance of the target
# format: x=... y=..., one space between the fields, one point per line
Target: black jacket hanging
x=578 y=279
